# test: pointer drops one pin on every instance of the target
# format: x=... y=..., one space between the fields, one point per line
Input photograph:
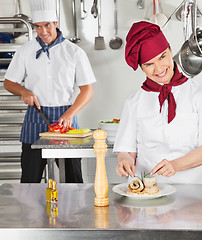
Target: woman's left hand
x=164 y=168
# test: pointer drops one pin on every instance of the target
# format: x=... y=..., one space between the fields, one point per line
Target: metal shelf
x=10 y=172
x=12 y=105
x=12 y=111
x=11 y=118
x=4 y=92
x=13 y=20
x=13 y=30
x=5 y=61
x=9 y=47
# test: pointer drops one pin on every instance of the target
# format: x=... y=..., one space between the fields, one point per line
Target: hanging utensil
x=94 y=9
x=74 y=39
x=99 y=40
x=140 y=4
x=116 y=42
x=58 y=11
x=195 y=40
x=190 y=63
x=83 y=11
x=177 y=12
x=190 y=55
x=22 y=16
x=158 y=18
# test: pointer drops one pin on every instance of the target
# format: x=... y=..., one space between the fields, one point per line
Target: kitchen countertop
x=24 y=216
x=71 y=143
x=68 y=148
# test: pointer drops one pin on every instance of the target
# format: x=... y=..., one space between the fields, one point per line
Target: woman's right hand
x=126 y=164
x=125 y=167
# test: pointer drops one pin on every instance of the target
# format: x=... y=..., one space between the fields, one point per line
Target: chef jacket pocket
x=183 y=130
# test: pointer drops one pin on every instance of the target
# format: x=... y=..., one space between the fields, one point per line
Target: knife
x=42 y=115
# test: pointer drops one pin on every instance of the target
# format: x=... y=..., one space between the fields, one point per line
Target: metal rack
x=12 y=109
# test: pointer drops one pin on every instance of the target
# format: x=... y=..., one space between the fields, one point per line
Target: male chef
x=50 y=67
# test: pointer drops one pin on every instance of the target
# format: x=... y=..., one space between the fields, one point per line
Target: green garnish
x=143 y=176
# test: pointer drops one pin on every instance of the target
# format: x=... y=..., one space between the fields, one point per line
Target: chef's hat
x=144 y=41
x=43 y=10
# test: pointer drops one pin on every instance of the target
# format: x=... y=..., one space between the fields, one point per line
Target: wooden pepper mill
x=101 y=183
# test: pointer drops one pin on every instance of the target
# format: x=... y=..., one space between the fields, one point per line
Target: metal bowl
x=190 y=63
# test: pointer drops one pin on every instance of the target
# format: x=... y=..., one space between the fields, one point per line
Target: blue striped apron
x=33 y=123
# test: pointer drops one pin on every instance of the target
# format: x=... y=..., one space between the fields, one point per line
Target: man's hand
x=66 y=118
x=27 y=96
x=164 y=168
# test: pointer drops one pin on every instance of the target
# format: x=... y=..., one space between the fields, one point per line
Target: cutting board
x=52 y=135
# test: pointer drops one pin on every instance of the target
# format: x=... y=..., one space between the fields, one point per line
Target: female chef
x=161 y=125
x=50 y=66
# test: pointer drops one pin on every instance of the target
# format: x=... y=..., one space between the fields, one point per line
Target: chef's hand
x=125 y=167
x=126 y=164
x=164 y=168
x=65 y=119
x=29 y=98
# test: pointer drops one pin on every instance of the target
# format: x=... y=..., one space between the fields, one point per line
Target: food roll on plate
x=145 y=186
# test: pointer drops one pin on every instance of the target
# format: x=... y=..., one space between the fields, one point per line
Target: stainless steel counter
x=24 y=216
x=64 y=148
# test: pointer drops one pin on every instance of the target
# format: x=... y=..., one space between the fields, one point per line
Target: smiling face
x=46 y=31
x=160 y=69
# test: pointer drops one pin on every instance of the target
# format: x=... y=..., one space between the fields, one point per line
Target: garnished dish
x=115 y=120
x=163 y=190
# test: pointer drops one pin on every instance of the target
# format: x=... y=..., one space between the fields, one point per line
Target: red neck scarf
x=165 y=91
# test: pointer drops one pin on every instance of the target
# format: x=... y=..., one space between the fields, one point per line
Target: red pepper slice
x=71 y=128
x=55 y=127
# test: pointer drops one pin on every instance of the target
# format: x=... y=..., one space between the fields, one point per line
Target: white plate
x=165 y=190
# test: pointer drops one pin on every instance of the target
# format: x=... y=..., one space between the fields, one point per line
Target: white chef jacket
x=51 y=80
x=144 y=130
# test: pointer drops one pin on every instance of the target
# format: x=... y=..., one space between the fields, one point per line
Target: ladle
x=83 y=11
x=158 y=18
x=94 y=9
x=116 y=42
x=195 y=40
x=74 y=39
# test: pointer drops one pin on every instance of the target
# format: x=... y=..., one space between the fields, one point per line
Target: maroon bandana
x=165 y=91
